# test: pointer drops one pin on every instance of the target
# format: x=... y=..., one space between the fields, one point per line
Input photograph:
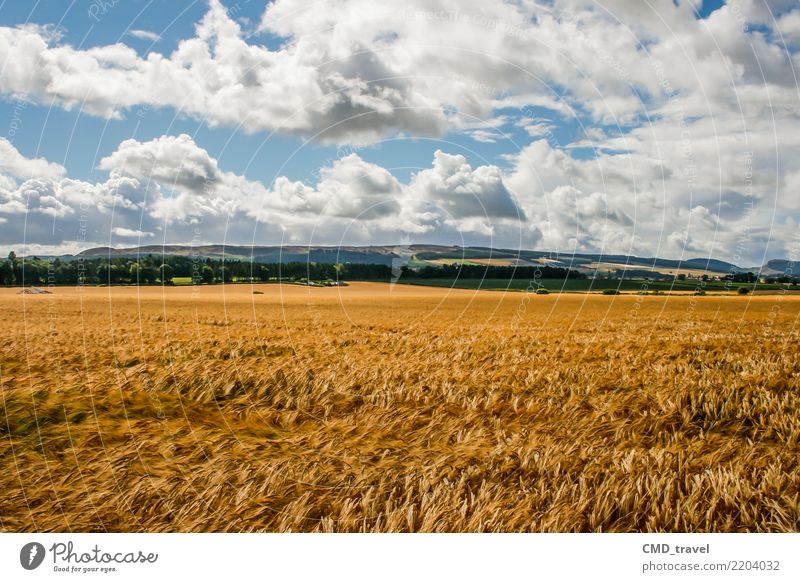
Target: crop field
x=605 y=266
x=383 y=408
x=598 y=285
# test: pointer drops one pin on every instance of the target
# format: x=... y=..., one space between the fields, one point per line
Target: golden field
x=377 y=408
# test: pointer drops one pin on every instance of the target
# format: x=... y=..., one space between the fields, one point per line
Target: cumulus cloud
x=356 y=70
x=172 y=160
x=670 y=194
x=220 y=77
x=14 y=164
x=172 y=186
x=453 y=185
x=629 y=204
x=353 y=188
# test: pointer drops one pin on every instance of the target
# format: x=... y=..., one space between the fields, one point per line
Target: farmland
x=598 y=285
x=378 y=407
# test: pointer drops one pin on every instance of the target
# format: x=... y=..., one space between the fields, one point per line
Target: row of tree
x=741 y=277
x=164 y=269
x=154 y=269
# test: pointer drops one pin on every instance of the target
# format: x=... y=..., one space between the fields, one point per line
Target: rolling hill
x=420 y=255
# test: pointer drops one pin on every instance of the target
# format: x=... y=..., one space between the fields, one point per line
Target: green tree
x=103 y=272
x=207 y=274
x=149 y=273
x=31 y=273
x=165 y=273
x=6 y=273
x=118 y=273
x=135 y=272
x=12 y=269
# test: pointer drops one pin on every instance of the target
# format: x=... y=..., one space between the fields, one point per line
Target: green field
x=575 y=285
x=181 y=280
x=583 y=285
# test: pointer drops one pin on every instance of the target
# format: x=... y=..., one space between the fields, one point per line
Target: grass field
x=181 y=280
x=597 y=285
x=397 y=408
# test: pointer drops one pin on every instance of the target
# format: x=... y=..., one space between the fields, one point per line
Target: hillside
x=420 y=255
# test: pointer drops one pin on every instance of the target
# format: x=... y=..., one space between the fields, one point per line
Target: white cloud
x=354 y=188
x=171 y=185
x=145 y=35
x=353 y=71
x=221 y=78
x=356 y=71
x=462 y=192
x=173 y=161
x=696 y=190
x=486 y=136
x=14 y=164
x=130 y=232
x=631 y=203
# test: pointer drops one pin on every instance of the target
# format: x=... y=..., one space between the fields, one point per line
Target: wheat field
x=377 y=408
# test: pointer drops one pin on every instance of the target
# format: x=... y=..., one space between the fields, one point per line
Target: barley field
x=377 y=408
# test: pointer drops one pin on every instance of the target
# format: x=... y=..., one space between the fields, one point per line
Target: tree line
x=156 y=269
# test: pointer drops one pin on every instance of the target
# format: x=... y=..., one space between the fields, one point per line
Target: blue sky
x=566 y=114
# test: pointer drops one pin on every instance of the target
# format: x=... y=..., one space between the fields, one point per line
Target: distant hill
x=379 y=255
x=420 y=255
x=780 y=267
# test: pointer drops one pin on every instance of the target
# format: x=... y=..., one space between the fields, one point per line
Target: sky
x=644 y=127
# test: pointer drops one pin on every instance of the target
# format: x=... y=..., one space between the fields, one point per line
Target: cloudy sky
x=648 y=127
